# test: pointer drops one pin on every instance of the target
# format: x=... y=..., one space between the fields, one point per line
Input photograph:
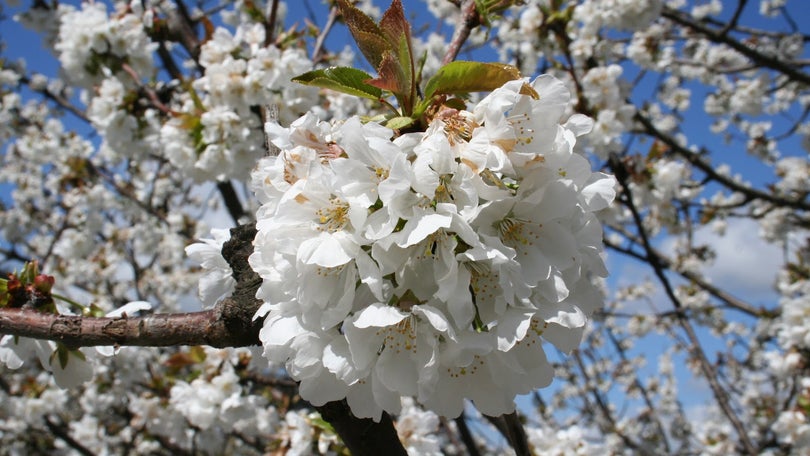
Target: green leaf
x=321 y=423
x=398 y=123
x=29 y=272
x=79 y=355
x=463 y=77
x=60 y=354
x=4 y=296
x=94 y=311
x=341 y=79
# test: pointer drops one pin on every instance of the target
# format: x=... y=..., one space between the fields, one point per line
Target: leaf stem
x=72 y=303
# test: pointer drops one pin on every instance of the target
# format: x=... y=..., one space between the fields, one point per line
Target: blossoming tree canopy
x=227 y=230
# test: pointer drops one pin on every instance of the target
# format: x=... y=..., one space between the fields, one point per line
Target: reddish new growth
x=29 y=287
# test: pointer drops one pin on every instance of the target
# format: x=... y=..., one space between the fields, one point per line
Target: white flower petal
x=378 y=315
x=599 y=192
x=130 y=308
x=325 y=250
x=416 y=231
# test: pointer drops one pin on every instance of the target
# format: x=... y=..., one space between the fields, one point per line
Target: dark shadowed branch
x=362 y=436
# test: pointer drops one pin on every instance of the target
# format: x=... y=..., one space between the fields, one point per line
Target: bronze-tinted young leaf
x=394 y=25
x=527 y=89
x=341 y=79
x=463 y=77
x=389 y=75
x=398 y=32
x=197 y=354
x=370 y=39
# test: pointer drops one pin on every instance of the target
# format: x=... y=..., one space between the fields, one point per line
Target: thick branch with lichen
x=159 y=330
x=229 y=324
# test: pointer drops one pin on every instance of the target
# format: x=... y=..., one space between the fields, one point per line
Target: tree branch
x=319 y=42
x=62 y=433
x=696 y=350
x=510 y=426
x=734 y=19
x=56 y=98
x=362 y=436
x=160 y=330
x=700 y=163
x=719 y=36
x=666 y=263
x=466 y=436
x=467 y=22
x=604 y=409
x=231 y=200
x=229 y=324
x=645 y=394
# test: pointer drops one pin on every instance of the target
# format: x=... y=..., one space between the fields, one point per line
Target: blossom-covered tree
x=224 y=230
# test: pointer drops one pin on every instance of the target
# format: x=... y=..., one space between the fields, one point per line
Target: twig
x=645 y=394
x=58 y=99
x=270 y=25
x=468 y=20
x=717 y=36
x=319 y=42
x=62 y=433
x=150 y=92
x=130 y=195
x=466 y=436
x=700 y=163
x=734 y=19
x=231 y=200
x=604 y=409
x=728 y=299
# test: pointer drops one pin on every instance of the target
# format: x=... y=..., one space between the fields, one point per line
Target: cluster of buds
x=27 y=288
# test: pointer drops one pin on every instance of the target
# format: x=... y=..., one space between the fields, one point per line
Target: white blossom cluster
x=126 y=133
x=792 y=330
x=215 y=135
x=93 y=45
x=432 y=264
